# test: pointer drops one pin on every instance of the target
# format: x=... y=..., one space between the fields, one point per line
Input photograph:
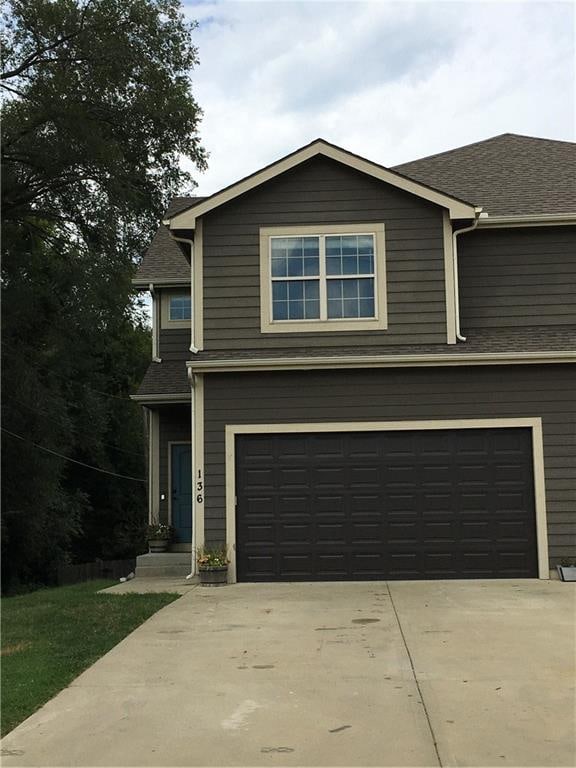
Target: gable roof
x=458 y=207
x=165 y=263
x=508 y=175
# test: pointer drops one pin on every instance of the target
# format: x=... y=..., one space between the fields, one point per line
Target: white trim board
x=459 y=209
x=198 y=466
x=159 y=399
x=535 y=424
x=153 y=467
x=378 y=361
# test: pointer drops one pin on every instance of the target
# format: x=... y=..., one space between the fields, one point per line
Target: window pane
x=350 y=255
x=351 y=308
x=349 y=289
x=280 y=310
x=365 y=264
x=295 y=290
x=295 y=310
x=312 y=290
x=295 y=256
x=278 y=267
x=280 y=291
x=295 y=265
x=334 y=308
x=296 y=300
x=350 y=298
x=366 y=307
x=179 y=308
x=366 y=288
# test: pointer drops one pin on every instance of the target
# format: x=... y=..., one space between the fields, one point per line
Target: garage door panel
x=377 y=505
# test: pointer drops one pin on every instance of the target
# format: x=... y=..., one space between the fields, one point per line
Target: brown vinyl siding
x=174 y=427
x=397 y=395
x=323 y=192
x=518 y=277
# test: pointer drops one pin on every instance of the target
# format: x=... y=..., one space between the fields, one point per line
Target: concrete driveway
x=355 y=674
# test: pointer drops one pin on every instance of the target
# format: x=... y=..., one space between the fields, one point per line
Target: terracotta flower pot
x=213 y=577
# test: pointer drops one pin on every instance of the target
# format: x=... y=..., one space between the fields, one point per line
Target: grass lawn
x=50 y=636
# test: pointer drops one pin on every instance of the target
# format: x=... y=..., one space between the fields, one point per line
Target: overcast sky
x=391 y=81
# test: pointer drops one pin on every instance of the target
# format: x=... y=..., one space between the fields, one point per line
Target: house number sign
x=199 y=488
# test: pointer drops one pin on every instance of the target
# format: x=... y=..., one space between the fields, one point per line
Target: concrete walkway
x=141 y=586
x=346 y=674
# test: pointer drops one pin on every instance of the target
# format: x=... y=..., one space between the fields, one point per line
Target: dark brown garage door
x=430 y=504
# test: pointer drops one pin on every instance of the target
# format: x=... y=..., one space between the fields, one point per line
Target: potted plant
x=159 y=536
x=567 y=570
x=212 y=565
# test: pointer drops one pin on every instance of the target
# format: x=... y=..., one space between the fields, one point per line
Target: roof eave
x=381 y=361
x=458 y=209
x=160 y=282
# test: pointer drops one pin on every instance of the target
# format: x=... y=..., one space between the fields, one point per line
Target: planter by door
x=213 y=577
x=158 y=545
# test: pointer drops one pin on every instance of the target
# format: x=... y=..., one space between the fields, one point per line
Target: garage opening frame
x=532 y=423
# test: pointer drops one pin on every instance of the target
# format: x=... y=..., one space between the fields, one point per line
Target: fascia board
x=458 y=209
x=369 y=361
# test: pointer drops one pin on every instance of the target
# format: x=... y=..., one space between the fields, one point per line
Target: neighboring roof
x=491 y=340
x=509 y=175
x=165 y=262
x=458 y=207
x=170 y=377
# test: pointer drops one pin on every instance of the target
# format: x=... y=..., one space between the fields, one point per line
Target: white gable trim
x=457 y=209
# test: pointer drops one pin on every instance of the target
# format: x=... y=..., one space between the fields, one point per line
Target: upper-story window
x=322 y=278
x=176 y=309
x=179 y=308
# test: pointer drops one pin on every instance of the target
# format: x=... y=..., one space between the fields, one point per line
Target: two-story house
x=369 y=373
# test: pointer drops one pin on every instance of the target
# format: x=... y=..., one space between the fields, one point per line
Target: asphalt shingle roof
x=509 y=175
x=165 y=260
x=170 y=376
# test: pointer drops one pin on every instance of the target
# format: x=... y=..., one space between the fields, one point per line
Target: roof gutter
x=529 y=220
x=155 y=357
x=455 y=234
x=193 y=348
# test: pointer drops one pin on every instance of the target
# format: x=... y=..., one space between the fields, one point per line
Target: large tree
x=98 y=113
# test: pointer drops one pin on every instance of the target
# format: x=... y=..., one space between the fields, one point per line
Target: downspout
x=193 y=348
x=477 y=212
x=155 y=357
x=193 y=462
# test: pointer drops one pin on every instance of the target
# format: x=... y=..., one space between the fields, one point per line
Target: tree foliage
x=98 y=112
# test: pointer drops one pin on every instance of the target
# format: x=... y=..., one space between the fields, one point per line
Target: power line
x=59 y=423
x=74 y=461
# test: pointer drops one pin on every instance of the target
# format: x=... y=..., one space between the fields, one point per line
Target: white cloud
x=391 y=81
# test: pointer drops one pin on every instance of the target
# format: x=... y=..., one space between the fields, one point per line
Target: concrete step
x=164 y=558
x=162 y=571
x=163 y=564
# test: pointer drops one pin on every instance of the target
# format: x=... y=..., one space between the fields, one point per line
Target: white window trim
x=165 y=321
x=378 y=323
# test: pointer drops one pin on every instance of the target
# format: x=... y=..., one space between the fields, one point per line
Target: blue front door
x=182 y=493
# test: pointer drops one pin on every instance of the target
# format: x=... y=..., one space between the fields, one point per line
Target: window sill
x=169 y=325
x=324 y=326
